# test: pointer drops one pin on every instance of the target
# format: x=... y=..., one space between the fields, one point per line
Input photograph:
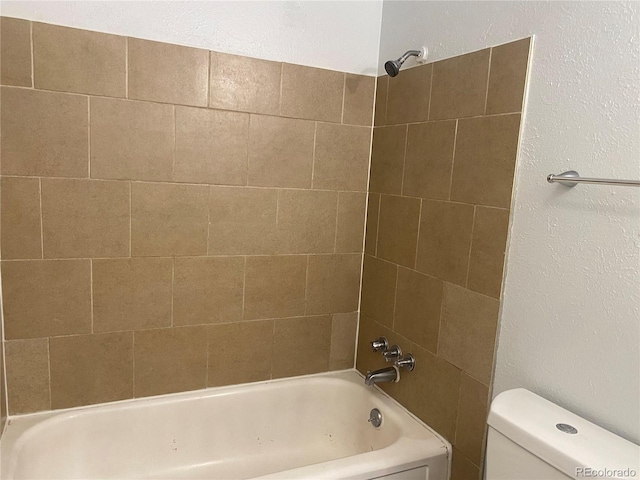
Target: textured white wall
x=338 y=35
x=570 y=325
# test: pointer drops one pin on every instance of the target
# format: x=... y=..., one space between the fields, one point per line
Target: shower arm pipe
x=410 y=53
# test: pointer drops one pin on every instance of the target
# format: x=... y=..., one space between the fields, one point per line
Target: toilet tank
x=531 y=438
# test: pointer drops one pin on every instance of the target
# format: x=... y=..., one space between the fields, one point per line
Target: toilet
x=530 y=438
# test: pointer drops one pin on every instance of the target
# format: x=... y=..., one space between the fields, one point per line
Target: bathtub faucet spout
x=389 y=374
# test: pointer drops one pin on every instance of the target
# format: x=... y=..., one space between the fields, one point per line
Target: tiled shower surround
x=442 y=169
x=171 y=216
x=174 y=218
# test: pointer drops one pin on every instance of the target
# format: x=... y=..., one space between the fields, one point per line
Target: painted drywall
x=570 y=325
x=338 y=35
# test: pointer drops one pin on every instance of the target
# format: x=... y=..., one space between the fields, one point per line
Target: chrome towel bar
x=572 y=178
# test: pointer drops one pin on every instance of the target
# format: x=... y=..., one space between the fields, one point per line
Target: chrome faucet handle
x=407 y=362
x=380 y=344
x=392 y=353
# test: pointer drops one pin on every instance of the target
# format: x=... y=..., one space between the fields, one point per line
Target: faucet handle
x=407 y=362
x=392 y=354
x=380 y=343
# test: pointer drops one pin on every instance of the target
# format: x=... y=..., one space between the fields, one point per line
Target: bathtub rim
x=17 y=427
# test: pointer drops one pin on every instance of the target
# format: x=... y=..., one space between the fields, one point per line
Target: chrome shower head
x=392 y=67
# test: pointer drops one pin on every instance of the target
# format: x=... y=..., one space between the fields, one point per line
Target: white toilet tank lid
x=530 y=421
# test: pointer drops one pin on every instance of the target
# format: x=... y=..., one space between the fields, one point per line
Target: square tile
x=472 y=418
x=89 y=369
x=378 y=290
x=398 y=229
x=508 y=76
x=28 y=375
x=162 y=72
x=359 y=91
x=341 y=159
x=333 y=283
x=244 y=84
x=274 y=286
x=408 y=96
x=371 y=235
x=21 y=232
x=81 y=61
x=208 y=290
x=387 y=159
x=169 y=360
x=417 y=310
x=43 y=133
x=307 y=341
x=307 y=221
x=211 y=146
x=485 y=160
x=468 y=328
x=169 y=220
x=462 y=468
x=344 y=328
x=311 y=93
x=445 y=240
x=351 y=213
x=488 y=247
x=15 y=51
x=85 y=218
x=131 y=140
x=429 y=160
x=434 y=388
x=240 y=352
x=131 y=294
x=280 y=152
x=44 y=298
x=460 y=86
x=242 y=221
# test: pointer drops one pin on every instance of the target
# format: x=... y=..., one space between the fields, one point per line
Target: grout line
x=344 y=89
x=453 y=158
x=378 y=223
x=440 y=317
x=130 y=220
x=244 y=286
x=306 y=287
x=173 y=282
x=173 y=153
x=133 y=362
x=208 y=105
x=41 y=219
x=89 y=137
x=248 y=148
x=91 y=291
x=415 y=263
x=126 y=67
x=33 y=70
x=335 y=237
x=281 y=88
x=49 y=370
x=404 y=159
x=395 y=299
x=386 y=101
x=486 y=95
x=154 y=182
x=313 y=155
x=473 y=225
x=430 y=92
x=208 y=217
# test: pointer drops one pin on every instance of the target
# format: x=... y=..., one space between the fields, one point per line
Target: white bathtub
x=307 y=427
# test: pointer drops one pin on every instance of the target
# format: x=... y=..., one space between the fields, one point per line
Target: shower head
x=392 y=67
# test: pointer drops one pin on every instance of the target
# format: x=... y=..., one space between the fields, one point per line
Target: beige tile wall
x=172 y=216
x=442 y=169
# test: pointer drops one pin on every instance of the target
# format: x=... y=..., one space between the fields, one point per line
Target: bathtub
x=314 y=426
